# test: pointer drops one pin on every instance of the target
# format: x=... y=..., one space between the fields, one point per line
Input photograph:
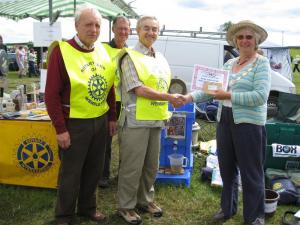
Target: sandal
x=130 y=216
x=151 y=208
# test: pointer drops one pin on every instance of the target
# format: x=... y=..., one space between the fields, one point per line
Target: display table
x=28 y=153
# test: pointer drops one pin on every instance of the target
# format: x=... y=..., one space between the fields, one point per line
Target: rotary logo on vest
x=96 y=89
x=162 y=85
x=285 y=150
x=35 y=155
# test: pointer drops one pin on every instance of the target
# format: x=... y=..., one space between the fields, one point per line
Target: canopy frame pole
x=50 y=11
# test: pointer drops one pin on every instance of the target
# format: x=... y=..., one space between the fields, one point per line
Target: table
x=28 y=153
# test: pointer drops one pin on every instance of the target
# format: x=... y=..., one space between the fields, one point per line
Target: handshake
x=178 y=100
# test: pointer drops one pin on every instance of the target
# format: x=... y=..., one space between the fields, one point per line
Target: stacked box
x=287 y=135
x=178 y=144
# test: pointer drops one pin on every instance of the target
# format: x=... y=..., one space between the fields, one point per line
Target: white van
x=183 y=53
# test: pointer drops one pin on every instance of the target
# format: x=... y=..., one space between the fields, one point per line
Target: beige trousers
x=139 y=160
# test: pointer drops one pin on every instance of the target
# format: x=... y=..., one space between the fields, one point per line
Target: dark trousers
x=241 y=146
x=81 y=167
x=106 y=170
x=32 y=69
x=296 y=68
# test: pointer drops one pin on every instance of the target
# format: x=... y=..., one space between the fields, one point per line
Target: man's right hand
x=64 y=140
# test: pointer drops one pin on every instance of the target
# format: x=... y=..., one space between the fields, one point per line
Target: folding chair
x=206 y=113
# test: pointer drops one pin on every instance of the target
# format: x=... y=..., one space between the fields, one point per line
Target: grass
x=13 y=81
x=296 y=81
x=182 y=206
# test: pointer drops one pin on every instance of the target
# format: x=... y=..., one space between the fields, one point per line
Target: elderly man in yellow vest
x=79 y=92
x=145 y=78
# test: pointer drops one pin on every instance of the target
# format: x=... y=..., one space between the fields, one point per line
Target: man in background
x=2 y=46
x=3 y=61
x=121 y=30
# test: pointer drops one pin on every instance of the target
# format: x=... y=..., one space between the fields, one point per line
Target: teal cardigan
x=249 y=93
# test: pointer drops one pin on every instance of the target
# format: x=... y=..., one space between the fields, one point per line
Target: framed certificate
x=209 y=79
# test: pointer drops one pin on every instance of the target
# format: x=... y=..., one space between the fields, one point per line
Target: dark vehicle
x=12 y=62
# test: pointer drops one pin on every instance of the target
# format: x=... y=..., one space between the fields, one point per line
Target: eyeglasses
x=241 y=37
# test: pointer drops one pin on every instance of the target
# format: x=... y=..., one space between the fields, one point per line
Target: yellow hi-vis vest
x=91 y=76
x=113 y=52
x=156 y=74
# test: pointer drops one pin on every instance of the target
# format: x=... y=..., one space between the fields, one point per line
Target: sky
x=281 y=18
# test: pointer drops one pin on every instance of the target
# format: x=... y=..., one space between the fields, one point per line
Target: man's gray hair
x=120 y=17
x=141 y=19
x=80 y=9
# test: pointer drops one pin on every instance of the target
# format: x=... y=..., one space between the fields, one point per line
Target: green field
x=182 y=206
x=296 y=81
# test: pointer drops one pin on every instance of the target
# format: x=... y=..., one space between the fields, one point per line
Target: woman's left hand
x=220 y=94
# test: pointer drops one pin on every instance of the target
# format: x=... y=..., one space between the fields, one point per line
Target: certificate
x=209 y=79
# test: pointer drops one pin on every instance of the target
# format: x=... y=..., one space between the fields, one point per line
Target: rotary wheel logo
x=162 y=85
x=35 y=155
x=97 y=87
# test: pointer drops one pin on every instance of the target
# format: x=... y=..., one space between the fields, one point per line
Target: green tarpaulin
x=39 y=9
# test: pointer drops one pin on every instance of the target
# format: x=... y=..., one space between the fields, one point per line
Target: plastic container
x=271 y=200
x=195 y=135
x=177 y=162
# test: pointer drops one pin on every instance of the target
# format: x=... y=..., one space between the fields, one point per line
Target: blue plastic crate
x=190 y=107
x=183 y=146
x=175 y=179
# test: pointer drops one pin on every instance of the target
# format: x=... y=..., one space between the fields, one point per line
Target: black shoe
x=103 y=183
x=220 y=217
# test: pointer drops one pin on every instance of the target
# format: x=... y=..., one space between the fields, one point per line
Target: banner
x=280 y=150
x=28 y=153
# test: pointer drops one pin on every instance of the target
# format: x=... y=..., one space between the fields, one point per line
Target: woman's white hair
x=80 y=9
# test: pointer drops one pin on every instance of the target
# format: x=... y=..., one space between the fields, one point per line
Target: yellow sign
x=28 y=153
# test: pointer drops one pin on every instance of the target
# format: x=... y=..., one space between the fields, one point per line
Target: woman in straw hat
x=242 y=112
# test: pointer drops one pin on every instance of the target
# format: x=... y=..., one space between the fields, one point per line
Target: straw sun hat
x=262 y=33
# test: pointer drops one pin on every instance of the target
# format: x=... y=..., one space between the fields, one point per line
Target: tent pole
x=109 y=24
x=50 y=11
